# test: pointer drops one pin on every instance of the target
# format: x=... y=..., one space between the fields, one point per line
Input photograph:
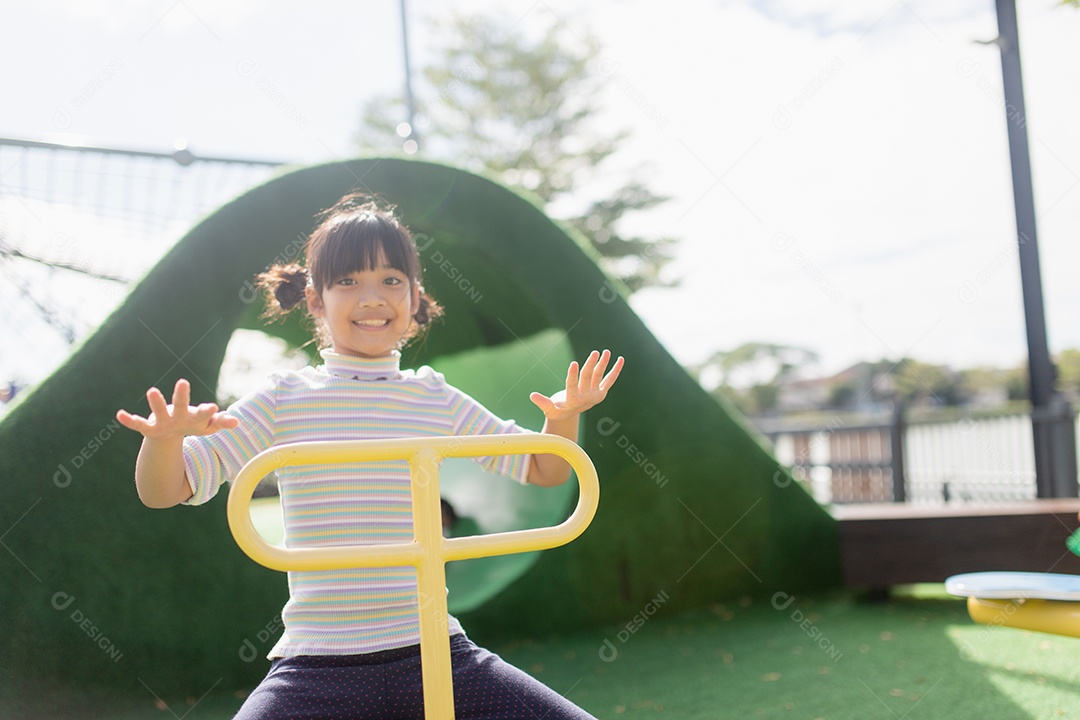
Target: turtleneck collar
x=362 y=368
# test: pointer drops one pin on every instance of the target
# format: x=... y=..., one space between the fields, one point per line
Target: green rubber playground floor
x=916 y=656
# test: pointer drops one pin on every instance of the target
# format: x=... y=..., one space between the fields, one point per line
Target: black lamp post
x=412 y=137
x=1051 y=414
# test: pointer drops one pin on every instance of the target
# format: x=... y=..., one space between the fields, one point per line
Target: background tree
x=985 y=384
x=758 y=359
x=1068 y=373
x=842 y=395
x=523 y=108
x=933 y=384
x=1016 y=383
x=750 y=376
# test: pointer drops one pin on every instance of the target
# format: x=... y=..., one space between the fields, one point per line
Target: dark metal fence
x=985 y=459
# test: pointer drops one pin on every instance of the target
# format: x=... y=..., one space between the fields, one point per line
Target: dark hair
x=352 y=235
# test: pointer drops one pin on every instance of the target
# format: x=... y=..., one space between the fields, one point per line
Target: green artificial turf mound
x=97 y=591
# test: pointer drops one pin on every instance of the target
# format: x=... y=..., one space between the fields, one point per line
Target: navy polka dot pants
x=387 y=686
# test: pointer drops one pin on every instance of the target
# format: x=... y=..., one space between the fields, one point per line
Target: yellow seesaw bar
x=429 y=551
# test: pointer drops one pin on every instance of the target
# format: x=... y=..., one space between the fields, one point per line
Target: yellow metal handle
x=429 y=551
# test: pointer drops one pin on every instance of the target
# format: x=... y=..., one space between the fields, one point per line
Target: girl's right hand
x=178 y=419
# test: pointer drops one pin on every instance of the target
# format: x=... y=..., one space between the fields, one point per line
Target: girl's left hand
x=584 y=388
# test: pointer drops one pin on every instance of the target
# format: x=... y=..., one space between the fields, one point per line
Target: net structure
x=79 y=224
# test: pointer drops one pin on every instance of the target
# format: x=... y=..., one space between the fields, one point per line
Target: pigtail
x=427 y=311
x=284 y=287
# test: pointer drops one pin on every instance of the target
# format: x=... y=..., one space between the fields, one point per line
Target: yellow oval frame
x=429 y=551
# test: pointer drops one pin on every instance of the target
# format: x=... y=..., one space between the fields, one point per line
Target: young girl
x=350 y=645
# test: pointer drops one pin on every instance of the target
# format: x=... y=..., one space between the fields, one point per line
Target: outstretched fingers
x=573 y=374
x=595 y=379
x=181 y=394
x=221 y=421
x=609 y=379
x=178 y=418
x=593 y=373
x=158 y=410
x=588 y=370
x=132 y=422
x=158 y=407
x=543 y=402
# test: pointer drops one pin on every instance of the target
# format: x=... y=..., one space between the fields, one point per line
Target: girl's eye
x=346 y=281
x=392 y=281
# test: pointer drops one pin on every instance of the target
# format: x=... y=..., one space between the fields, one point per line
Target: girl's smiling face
x=367 y=312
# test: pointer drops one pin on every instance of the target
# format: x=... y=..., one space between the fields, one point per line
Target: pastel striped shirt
x=346 y=612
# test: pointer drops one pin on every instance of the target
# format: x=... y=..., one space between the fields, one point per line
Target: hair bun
x=427 y=310
x=292 y=279
x=284 y=286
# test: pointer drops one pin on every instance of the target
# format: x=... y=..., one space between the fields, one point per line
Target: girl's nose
x=371 y=295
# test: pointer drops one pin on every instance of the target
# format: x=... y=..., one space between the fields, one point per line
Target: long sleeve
x=471 y=418
x=211 y=460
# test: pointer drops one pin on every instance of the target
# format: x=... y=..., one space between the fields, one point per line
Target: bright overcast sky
x=838 y=170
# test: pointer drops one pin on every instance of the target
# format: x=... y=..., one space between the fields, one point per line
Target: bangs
x=361 y=242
